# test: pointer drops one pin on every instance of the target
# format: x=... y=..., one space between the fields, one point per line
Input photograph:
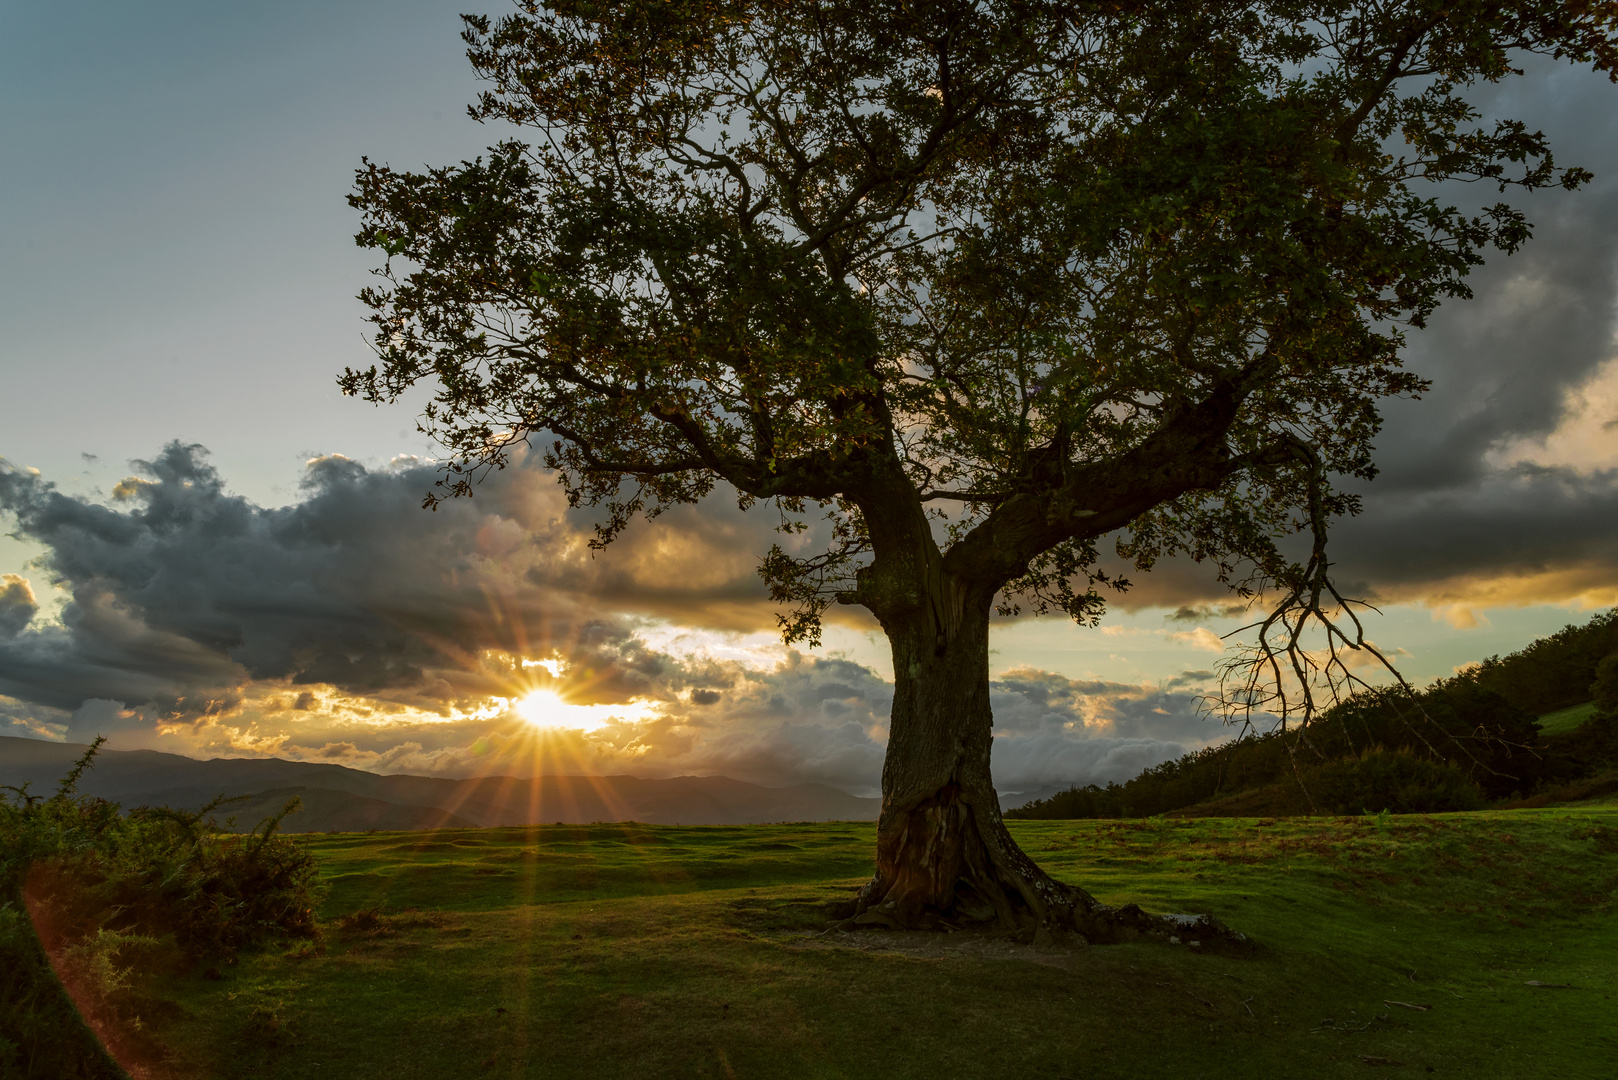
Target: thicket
x=1464 y=742
x=1555 y=671
x=93 y=899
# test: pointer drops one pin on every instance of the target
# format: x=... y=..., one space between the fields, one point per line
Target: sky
x=210 y=551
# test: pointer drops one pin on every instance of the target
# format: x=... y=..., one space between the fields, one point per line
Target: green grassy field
x=1563 y=721
x=630 y=951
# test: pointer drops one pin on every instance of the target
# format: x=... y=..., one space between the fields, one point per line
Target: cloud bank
x=354 y=627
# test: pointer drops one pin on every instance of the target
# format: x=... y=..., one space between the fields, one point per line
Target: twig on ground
x=1406 y=1005
x=1248 y=1007
x=1330 y=1024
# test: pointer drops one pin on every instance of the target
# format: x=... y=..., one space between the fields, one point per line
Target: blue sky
x=177 y=264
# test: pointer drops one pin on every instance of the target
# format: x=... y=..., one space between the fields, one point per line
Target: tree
x=983 y=283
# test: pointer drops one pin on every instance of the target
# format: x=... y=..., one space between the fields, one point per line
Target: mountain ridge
x=353 y=798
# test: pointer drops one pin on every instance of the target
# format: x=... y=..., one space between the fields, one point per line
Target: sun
x=543 y=708
x=549 y=710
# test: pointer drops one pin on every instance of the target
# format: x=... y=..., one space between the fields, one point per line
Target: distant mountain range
x=340 y=799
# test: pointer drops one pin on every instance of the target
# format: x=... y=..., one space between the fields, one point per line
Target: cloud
x=801 y=719
x=1051 y=730
x=17 y=604
x=181 y=593
x=99 y=716
x=1200 y=638
x=27 y=720
x=1206 y=612
x=352 y=627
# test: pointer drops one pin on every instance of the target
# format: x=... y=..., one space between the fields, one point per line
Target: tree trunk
x=944 y=856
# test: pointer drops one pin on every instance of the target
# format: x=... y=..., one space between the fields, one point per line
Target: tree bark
x=944 y=856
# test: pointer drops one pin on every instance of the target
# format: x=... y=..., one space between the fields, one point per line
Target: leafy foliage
x=85 y=890
x=1017 y=274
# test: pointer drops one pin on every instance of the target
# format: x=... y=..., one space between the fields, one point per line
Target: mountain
x=337 y=798
x=1010 y=800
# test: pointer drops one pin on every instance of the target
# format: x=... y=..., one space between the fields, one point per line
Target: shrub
x=1605 y=687
x=1395 y=780
x=87 y=891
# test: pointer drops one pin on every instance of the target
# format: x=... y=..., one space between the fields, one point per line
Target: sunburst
x=548 y=709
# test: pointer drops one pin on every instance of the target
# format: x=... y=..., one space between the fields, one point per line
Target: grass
x=1563 y=721
x=644 y=951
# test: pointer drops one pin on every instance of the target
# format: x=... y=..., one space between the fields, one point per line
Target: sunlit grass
x=643 y=951
x=1563 y=721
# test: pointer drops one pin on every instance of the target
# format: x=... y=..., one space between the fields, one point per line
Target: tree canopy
x=1050 y=270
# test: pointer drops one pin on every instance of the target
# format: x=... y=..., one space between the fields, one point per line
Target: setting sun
x=543 y=708
x=547 y=709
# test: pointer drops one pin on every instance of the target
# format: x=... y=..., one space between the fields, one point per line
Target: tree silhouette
x=983 y=283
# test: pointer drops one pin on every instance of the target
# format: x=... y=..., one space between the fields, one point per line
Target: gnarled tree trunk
x=944 y=857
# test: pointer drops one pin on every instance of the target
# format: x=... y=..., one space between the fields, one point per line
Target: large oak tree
x=983 y=283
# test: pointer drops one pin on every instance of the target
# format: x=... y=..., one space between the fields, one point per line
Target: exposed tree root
x=942 y=865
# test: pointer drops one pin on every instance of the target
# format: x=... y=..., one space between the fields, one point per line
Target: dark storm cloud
x=1533 y=526
x=191 y=590
x=1542 y=319
x=181 y=592
x=1505 y=367
x=1460 y=505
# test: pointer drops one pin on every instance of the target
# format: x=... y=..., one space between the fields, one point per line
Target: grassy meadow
x=1382 y=946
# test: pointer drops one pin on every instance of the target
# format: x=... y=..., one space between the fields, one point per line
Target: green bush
x=1605 y=687
x=104 y=894
x=1395 y=780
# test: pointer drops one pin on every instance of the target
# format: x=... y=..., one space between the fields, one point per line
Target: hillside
x=1532 y=728
x=339 y=798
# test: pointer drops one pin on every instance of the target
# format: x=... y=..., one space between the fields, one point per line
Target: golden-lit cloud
x=1585 y=439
